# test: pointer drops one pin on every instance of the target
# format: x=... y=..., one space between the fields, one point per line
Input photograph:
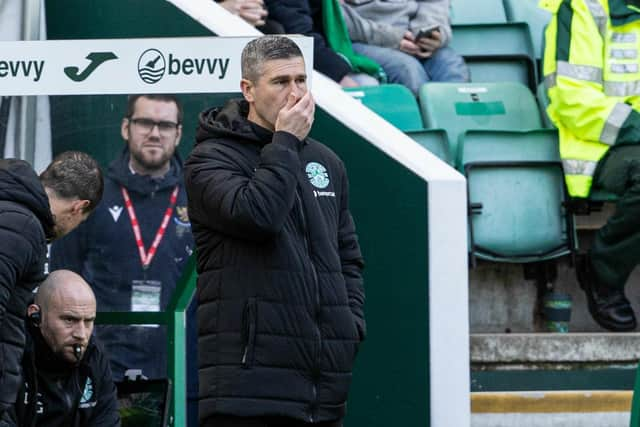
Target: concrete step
x=501 y=300
x=536 y=348
x=559 y=362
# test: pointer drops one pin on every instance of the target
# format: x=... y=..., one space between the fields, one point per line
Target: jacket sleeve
x=7 y=418
x=222 y=197
x=351 y=260
x=433 y=12
x=296 y=17
x=368 y=31
x=105 y=413
x=17 y=252
x=69 y=252
x=578 y=100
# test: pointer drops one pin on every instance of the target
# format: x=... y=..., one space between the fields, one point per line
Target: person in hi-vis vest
x=592 y=75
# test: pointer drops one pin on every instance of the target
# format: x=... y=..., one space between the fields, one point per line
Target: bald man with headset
x=67 y=379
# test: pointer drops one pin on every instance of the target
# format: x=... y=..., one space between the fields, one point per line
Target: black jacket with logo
x=55 y=393
x=25 y=224
x=280 y=286
x=103 y=250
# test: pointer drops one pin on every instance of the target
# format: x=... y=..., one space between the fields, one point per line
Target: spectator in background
x=133 y=249
x=32 y=212
x=280 y=270
x=388 y=32
x=67 y=380
x=311 y=18
x=591 y=70
x=255 y=13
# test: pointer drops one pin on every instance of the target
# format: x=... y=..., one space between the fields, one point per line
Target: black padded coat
x=25 y=224
x=280 y=286
x=56 y=393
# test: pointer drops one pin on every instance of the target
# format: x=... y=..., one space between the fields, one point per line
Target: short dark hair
x=74 y=175
x=132 y=99
x=266 y=48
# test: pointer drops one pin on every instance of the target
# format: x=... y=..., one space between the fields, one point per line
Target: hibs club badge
x=317 y=174
x=87 y=400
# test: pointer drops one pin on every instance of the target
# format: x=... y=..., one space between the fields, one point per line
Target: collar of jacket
x=231 y=120
x=264 y=135
x=624 y=11
x=143 y=184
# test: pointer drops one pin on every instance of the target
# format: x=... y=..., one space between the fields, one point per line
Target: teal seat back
x=458 y=107
x=516 y=196
x=395 y=103
x=492 y=39
x=510 y=68
x=505 y=48
x=529 y=12
x=434 y=140
x=477 y=11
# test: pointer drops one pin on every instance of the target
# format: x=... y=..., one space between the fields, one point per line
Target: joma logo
x=96 y=59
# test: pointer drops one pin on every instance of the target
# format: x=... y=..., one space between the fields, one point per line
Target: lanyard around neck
x=146 y=257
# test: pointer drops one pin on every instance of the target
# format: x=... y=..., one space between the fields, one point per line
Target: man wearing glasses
x=132 y=250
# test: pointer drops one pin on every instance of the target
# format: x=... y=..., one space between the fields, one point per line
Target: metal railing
x=174 y=318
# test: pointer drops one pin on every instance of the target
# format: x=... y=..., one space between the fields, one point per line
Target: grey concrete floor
x=502 y=300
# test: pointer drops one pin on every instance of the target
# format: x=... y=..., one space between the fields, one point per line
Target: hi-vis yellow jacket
x=592 y=75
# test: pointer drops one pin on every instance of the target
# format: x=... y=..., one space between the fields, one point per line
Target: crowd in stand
x=364 y=43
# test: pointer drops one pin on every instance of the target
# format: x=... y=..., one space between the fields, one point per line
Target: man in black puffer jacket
x=280 y=271
x=33 y=211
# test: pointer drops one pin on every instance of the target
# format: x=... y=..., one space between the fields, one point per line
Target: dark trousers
x=616 y=248
x=233 y=421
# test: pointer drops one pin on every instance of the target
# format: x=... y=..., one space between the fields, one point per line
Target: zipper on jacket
x=316 y=315
x=248 y=332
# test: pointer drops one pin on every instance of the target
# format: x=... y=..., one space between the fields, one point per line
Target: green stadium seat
x=502 y=45
x=393 y=102
x=516 y=196
x=508 y=68
x=529 y=12
x=434 y=140
x=477 y=11
x=492 y=39
x=458 y=107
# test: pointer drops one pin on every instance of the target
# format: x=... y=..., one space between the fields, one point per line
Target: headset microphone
x=36 y=318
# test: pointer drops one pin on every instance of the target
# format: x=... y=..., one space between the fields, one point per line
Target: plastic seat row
x=500 y=40
x=492 y=133
x=472 y=12
x=397 y=105
x=516 y=194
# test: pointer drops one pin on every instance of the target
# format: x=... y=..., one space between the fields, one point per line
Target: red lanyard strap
x=145 y=258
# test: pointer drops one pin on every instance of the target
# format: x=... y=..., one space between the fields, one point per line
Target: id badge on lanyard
x=146 y=293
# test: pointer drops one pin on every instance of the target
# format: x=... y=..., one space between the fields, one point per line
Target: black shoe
x=609 y=308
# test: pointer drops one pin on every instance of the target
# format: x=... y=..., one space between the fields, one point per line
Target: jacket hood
x=120 y=172
x=227 y=121
x=20 y=184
